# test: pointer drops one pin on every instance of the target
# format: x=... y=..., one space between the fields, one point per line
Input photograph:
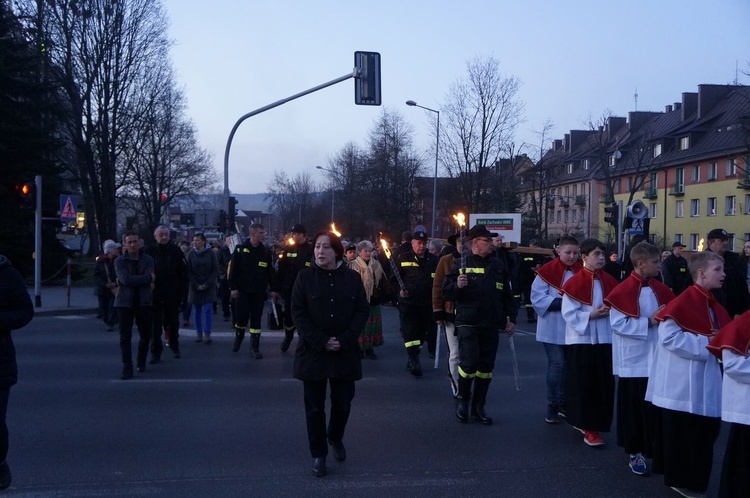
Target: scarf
x=624 y=297
x=690 y=310
x=369 y=273
x=581 y=285
x=553 y=273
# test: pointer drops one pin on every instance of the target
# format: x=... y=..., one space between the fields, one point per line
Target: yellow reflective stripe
x=245 y=249
x=464 y=374
x=499 y=285
x=307 y=264
x=484 y=375
x=291 y=255
x=412 y=343
x=263 y=264
x=409 y=263
x=528 y=259
x=254 y=331
x=432 y=275
x=682 y=270
x=471 y=270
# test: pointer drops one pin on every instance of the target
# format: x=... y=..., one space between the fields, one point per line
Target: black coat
x=325 y=304
x=170 y=267
x=733 y=294
x=16 y=310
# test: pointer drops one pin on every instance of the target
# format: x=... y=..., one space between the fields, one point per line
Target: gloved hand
x=439 y=316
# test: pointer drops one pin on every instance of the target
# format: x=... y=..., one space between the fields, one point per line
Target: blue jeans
x=204 y=315
x=555 y=374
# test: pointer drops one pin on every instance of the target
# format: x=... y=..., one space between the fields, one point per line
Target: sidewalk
x=56 y=301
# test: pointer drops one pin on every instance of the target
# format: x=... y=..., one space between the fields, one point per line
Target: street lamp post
x=437 y=156
x=333 y=190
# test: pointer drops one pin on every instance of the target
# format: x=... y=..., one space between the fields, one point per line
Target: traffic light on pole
x=231 y=212
x=612 y=215
x=27 y=195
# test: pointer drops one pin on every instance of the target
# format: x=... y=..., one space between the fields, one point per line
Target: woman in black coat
x=330 y=310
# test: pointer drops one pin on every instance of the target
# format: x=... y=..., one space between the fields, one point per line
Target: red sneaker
x=592 y=438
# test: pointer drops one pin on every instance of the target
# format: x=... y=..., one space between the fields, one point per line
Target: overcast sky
x=575 y=60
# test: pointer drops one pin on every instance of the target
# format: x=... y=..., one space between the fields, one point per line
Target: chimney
x=566 y=141
x=710 y=95
x=677 y=106
x=639 y=118
x=689 y=104
x=613 y=126
x=668 y=108
x=557 y=144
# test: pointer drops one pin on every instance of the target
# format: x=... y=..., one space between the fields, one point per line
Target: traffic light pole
x=38 y=244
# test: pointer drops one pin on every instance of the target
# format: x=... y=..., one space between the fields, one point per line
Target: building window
x=684 y=143
x=630 y=183
x=570 y=168
x=566 y=216
x=567 y=191
x=711 y=206
x=618 y=186
x=574 y=216
x=679 y=179
x=747 y=204
x=695 y=207
x=747 y=237
x=654 y=179
x=611 y=160
x=713 y=171
x=695 y=177
x=694 y=241
x=575 y=190
x=732 y=240
x=678 y=238
x=559 y=216
x=731 y=168
x=657 y=150
x=730 y=205
x=585 y=164
x=679 y=209
x=652 y=210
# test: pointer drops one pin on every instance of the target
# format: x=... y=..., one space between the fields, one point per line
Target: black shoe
x=339 y=452
x=285 y=345
x=154 y=361
x=209 y=341
x=176 y=353
x=478 y=414
x=5 y=476
x=237 y=342
x=127 y=373
x=371 y=354
x=462 y=409
x=416 y=367
x=141 y=368
x=319 y=467
x=199 y=339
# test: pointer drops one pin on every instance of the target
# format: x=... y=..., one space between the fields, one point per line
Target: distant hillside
x=252 y=202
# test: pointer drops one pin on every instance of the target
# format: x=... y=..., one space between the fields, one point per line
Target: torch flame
x=460 y=219
x=290 y=241
x=385 y=248
x=700 y=245
x=333 y=229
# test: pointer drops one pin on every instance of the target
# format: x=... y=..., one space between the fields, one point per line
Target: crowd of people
x=645 y=336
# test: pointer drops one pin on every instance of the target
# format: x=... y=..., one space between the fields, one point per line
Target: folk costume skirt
x=372 y=335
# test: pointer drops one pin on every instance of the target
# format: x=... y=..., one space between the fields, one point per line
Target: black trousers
x=166 y=317
x=142 y=317
x=225 y=298
x=250 y=308
x=4 y=395
x=288 y=321
x=417 y=326
x=342 y=394
x=477 y=348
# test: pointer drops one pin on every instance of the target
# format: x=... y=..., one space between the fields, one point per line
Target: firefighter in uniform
x=297 y=256
x=484 y=304
x=417 y=270
x=529 y=264
x=249 y=276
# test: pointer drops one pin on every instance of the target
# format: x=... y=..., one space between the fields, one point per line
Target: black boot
x=530 y=316
x=481 y=386
x=462 y=399
x=288 y=336
x=414 y=365
x=255 y=346
x=239 y=335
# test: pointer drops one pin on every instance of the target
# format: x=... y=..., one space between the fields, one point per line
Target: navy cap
x=718 y=233
x=678 y=244
x=419 y=235
x=480 y=231
x=297 y=228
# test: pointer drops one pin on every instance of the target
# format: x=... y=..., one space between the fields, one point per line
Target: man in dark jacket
x=296 y=257
x=135 y=274
x=733 y=294
x=417 y=270
x=224 y=257
x=676 y=274
x=16 y=310
x=250 y=275
x=484 y=305
x=170 y=292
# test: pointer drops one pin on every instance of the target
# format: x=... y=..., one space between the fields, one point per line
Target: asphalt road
x=216 y=423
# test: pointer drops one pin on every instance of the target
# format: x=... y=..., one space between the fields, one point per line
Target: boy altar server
x=732 y=345
x=590 y=385
x=633 y=307
x=685 y=380
x=550 y=328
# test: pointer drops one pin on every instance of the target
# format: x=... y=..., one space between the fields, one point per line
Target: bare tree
x=349 y=167
x=537 y=184
x=481 y=115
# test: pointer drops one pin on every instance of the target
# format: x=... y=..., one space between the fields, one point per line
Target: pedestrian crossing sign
x=67 y=208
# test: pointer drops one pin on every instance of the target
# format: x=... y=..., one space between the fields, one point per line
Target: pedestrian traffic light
x=612 y=215
x=231 y=212
x=222 y=221
x=27 y=195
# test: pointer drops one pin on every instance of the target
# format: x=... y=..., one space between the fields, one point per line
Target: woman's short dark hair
x=336 y=244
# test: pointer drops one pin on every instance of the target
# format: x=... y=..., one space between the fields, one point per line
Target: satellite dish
x=618 y=154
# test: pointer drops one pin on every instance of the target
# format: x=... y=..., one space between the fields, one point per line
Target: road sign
x=67 y=207
x=637 y=227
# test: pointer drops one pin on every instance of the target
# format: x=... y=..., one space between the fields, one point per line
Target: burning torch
x=389 y=255
x=461 y=220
